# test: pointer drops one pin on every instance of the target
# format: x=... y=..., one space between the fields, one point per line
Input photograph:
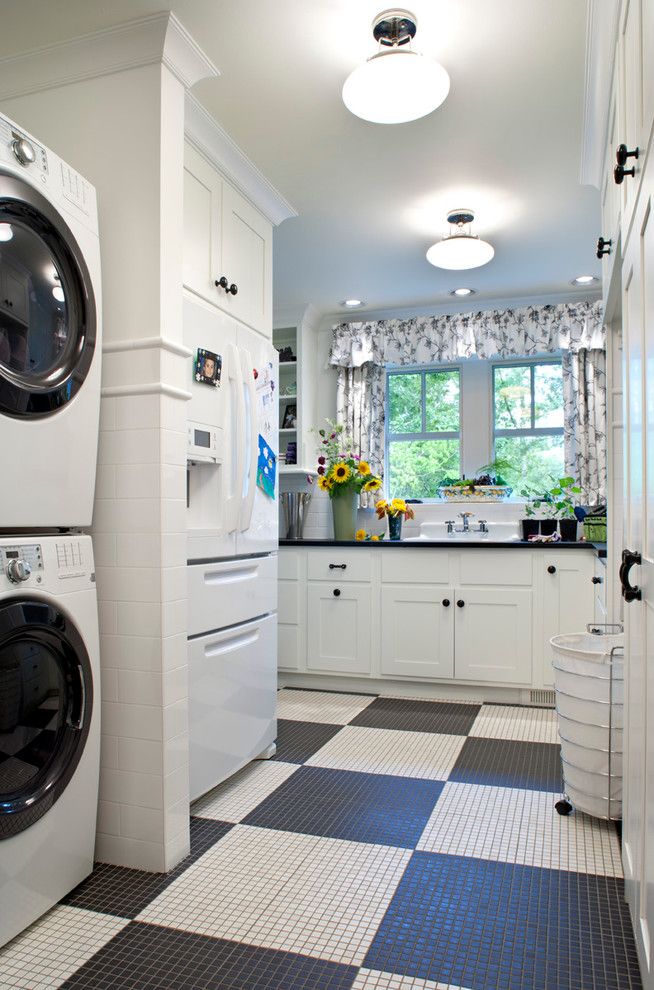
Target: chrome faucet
x=465 y=528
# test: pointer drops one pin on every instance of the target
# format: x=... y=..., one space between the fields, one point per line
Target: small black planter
x=568 y=530
x=529 y=528
x=547 y=527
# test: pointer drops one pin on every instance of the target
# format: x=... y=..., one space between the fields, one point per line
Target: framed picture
x=290 y=416
x=208 y=367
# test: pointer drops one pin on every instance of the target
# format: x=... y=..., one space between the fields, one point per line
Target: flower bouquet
x=343 y=475
x=396 y=510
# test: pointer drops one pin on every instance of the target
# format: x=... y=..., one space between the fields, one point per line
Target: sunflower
x=372 y=485
x=398 y=505
x=324 y=483
x=360 y=535
x=364 y=467
x=375 y=539
x=340 y=472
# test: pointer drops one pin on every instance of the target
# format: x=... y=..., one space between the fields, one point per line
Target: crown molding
x=601 y=36
x=156 y=39
x=211 y=140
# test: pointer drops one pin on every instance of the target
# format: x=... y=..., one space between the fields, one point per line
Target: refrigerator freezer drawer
x=232 y=700
x=226 y=592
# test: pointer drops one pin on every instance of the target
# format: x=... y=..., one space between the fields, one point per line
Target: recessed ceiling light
x=6 y=233
x=584 y=279
x=460 y=249
x=352 y=303
x=462 y=292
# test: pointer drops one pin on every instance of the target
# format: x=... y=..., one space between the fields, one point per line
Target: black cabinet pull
x=596 y=580
x=551 y=569
x=460 y=603
x=630 y=592
x=619 y=173
x=622 y=153
x=337 y=592
x=446 y=602
x=603 y=247
x=337 y=567
x=222 y=283
x=233 y=289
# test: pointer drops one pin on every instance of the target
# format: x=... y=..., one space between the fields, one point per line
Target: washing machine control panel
x=23 y=149
x=19 y=562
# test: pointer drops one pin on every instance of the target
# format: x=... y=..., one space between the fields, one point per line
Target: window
x=423 y=433
x=449 y=421
x=528 y=422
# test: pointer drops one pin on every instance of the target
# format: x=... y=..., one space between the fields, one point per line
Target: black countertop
x=598 y=548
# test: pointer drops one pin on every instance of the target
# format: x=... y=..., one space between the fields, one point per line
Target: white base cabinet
x=448 y=616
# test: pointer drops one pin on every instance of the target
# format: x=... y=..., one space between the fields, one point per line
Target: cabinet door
x=247 y=262
x=630 y=62
x=492 y=635
x=203 y=192
x=568 y=599
x=338 y=628
x=417 y=631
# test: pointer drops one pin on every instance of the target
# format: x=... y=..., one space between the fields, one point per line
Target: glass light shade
x=460 y=251
x=395 y=86
x=6 y=233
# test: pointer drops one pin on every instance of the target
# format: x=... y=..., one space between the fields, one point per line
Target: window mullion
x=533 y=396
x=424 y=400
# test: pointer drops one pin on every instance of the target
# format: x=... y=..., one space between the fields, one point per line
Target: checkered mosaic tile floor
x=392 y=844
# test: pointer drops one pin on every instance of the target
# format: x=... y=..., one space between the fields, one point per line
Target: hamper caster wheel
x=563 y=807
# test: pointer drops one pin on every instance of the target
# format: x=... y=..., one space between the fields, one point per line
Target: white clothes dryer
x=50 y=337
x=49 y=723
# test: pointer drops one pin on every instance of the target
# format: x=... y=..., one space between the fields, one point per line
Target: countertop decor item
x=396 y=510
x=343 y=474
x=488 y=485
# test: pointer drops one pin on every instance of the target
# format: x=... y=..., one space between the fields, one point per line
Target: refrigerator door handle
x=252 y=441
x=233 y=504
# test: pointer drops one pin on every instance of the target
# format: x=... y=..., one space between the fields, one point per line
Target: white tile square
x=50 y=950
x=238 y=796
x=521 y=724
x=372 y=979
x=519 y=826
x=321 y=706
x=282 y=890
x=426 y=755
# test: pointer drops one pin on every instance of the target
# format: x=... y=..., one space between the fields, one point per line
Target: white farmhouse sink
x=502 y=532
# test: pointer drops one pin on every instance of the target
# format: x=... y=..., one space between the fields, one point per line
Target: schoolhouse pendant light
x=460 y=249
x=396 y=84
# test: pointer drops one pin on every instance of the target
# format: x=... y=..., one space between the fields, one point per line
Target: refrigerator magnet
x=266 y=468
x=208 y=367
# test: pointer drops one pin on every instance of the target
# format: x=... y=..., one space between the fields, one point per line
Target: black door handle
x=603 y=247
x=630 y=593
x=460 y=603
x=622 y=153
x=551 y=569
x=596 y=580
x=337 y=592
x=446 y=602
x=619 y=173
x=337 y=567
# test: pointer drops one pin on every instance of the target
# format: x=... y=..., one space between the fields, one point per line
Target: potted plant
x=563 y=501
x=343 y=475
x=488 y=485
x=396 y=510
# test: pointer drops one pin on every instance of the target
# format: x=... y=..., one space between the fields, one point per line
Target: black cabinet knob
x=603 y=247
x=337 y=592
x=460 y=603
x=446 y=602
x=337 y=567
x=551 y=569
x=222 y=283
x=622 y=153
x=619 y=173
x=233 y=289
x=596 y=580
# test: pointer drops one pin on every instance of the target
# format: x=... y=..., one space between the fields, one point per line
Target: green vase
x=395 y=527
x=344 y=512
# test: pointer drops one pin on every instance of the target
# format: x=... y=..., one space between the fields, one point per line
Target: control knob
x=24 y=151
x=18 y=570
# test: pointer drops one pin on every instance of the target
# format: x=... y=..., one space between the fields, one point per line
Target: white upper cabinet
x=630 y=90
x=227 y=246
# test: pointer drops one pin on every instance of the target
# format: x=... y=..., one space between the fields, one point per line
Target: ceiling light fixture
x=584 y=279
x=396 y=84
x=352 y=303
x=462 y=292
x=460 y=249
x=6 y=233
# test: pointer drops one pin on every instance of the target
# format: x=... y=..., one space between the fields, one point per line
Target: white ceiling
x=372 y=198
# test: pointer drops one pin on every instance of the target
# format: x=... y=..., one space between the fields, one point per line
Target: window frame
x=533 y=430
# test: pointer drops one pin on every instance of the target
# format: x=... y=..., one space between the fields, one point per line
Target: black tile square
x=508 y=763
x=147 y=957
x=500 y=926
x=124 y=892
x=297 y=741
x=342 y=804
x=444 y=717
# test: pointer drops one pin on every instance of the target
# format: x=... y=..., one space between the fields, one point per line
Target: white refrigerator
x=232 y=513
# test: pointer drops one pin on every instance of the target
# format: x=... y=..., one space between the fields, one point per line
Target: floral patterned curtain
x=361 y=352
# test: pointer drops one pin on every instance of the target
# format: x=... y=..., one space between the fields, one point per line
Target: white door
x=492 y=635
x=338 y=617
x=568 y=598
x=258 y=524
x=247 y=260
x=417 y=628
x=638 y=356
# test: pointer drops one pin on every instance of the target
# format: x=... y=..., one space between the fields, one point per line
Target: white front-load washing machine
x=50 y=337
x=49 y=723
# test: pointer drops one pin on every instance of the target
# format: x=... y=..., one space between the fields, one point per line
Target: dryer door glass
x=47 y=308
x=46 y=692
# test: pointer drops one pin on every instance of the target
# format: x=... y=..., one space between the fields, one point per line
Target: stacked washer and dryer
x=49 y=410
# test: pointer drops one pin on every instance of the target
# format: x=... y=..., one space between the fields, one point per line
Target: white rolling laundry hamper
x=589 y=686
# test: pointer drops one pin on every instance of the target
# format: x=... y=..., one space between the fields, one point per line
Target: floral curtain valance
x=493 y=333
